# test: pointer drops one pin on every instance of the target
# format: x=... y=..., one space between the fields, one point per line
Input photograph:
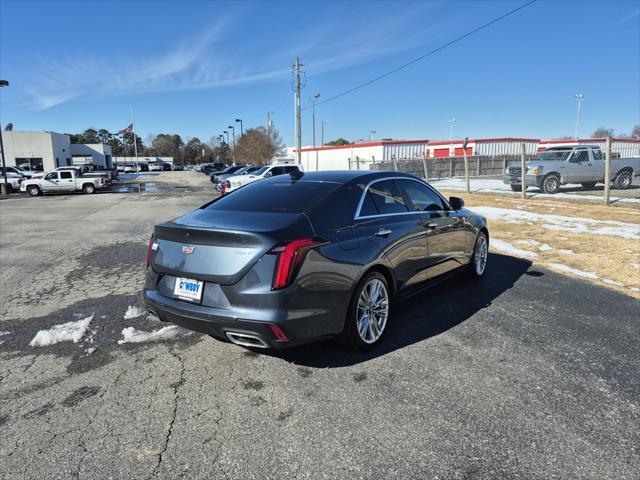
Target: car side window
x=65 y=175
x=368 y=206
x=580 y=156
x=277 y=171
x=52 y=176
x=423 y=198
x=597 y=154
x=291 y=169
x=387 y=198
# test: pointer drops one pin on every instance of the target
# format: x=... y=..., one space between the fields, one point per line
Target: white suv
x=267 y=171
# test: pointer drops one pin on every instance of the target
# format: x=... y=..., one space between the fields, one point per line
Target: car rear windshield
x=274 y=197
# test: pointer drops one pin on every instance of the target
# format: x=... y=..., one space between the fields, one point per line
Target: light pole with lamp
x=452 y=122
x=5 y=186
x=233 y=132
x=241 y=129
x=579 y=99
x=315 y=98
x=371 y=134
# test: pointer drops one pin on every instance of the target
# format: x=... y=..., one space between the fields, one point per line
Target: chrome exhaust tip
x=246 y=340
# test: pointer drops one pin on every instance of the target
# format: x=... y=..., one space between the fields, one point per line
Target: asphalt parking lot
x=528 y=374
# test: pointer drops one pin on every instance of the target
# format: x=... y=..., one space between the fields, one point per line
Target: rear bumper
x=298 y=326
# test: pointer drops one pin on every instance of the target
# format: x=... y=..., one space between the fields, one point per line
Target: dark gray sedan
x=296 y=258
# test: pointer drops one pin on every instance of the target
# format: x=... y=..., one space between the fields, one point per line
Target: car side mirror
x=456 y=203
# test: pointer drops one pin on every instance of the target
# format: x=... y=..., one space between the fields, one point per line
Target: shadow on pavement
x=421 y=317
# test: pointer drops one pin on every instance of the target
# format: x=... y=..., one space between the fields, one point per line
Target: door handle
x=382 y=232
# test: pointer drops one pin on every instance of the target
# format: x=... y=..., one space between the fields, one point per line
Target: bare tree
x=602 y=132
x=257 y=147
x=635 y=133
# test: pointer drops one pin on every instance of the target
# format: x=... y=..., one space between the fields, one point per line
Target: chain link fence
x=572 y=171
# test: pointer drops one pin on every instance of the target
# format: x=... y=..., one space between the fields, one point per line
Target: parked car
x=579 y=163
x=13 y=180
x=218 y=177
x=213 y=167
x=166 y=167
x=62 y=181
x=18 y=171
x=267 y=171
x=296 y=258
x=178 y=166
x=83 y=171
x=130 y=168
x=155 y=167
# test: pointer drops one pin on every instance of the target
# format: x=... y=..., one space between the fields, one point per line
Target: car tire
x=88 y=188
x=364 y=329
x=623 y=180
x=479 y=257
x=551 y=184
x=34 y=190
x=588 y=185
x=516 y=188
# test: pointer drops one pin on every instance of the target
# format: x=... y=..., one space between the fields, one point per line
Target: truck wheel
x=551 y=184
x=588 y=185
x=516 y=188
x=33 y=190
x=88 y=188
x=623 y=180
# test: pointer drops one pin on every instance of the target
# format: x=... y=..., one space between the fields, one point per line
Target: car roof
x=345 y=176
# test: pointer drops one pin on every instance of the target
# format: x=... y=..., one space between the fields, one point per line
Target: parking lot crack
x=176 y=388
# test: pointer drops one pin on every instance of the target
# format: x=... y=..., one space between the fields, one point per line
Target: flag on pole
x=129 y=129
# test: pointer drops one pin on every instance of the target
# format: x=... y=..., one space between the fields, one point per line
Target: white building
x=482 y=146
x=141 y=159
x=44 y=151
x=620 y=147
x=358 y=156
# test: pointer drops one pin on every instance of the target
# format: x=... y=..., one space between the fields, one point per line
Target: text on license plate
x=188 y=289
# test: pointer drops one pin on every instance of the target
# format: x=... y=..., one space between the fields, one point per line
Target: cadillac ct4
x=301 y=257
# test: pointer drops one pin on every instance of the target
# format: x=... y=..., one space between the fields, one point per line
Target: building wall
x=95 y=153
x=620 y=147
x=53 y=148
x=120 y=160
x=482 y=146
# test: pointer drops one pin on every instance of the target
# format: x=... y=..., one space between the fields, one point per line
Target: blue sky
x=193 y=67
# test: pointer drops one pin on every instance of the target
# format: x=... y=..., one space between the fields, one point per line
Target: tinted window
x=423 y=198
x=597 y=154
x=277 y=171
x=291 y=169
x=580 y=156
x=65 y=175
x=275 y=196
x=51 y=176
x=387 y=198
x=368 y=206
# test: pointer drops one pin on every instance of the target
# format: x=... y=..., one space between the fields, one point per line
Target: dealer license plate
x=188 y=289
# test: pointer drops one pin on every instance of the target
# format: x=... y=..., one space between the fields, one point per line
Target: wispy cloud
x=208 y=61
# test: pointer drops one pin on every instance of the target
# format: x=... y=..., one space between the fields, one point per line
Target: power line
x=435 y=50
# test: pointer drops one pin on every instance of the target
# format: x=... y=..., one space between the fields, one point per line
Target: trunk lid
x=222 y=246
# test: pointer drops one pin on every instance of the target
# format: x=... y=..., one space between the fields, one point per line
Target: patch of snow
x=574 y=271
x=90 y=350
x=545 y=247
x=566 y=252
x=529 y=242
x=131 y=335
x=133 y=312
x=563 y=223
x=65 y=332
x=608 y=281
x=2 y=334
x=635 y=265
x=510 y=249
x=634 y=289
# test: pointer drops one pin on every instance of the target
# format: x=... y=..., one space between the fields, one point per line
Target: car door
x=51 y=182
x=445 y=230
x=384 y=217
x=578 y=167
x=66 y=182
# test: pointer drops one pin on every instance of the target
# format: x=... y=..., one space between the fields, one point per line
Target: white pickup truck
x=61 y=182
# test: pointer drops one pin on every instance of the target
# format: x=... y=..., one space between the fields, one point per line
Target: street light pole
x=371 y=134
x=241 y=129
x=452 y=122
x=579 y=99
x=322 y=125
x=233 y=131
x=313 y=109
x=5 y=186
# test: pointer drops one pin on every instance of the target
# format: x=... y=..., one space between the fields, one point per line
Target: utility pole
x=579 y=99
x=452 y=122
x=5 y=185
x=269 y=124
x=372 y=133
x=297 y=89
x=322 y=125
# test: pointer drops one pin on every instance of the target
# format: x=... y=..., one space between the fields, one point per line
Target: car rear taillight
x=290 y=257
x=278 y=333
x=150 y=249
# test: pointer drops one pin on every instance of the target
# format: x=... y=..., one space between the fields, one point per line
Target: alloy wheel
x=373 y=311
x=480 y=255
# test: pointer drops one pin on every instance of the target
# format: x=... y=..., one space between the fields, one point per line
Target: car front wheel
x=88 y=188
x=33 y=190
x=369 y=312
x=551 y=184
